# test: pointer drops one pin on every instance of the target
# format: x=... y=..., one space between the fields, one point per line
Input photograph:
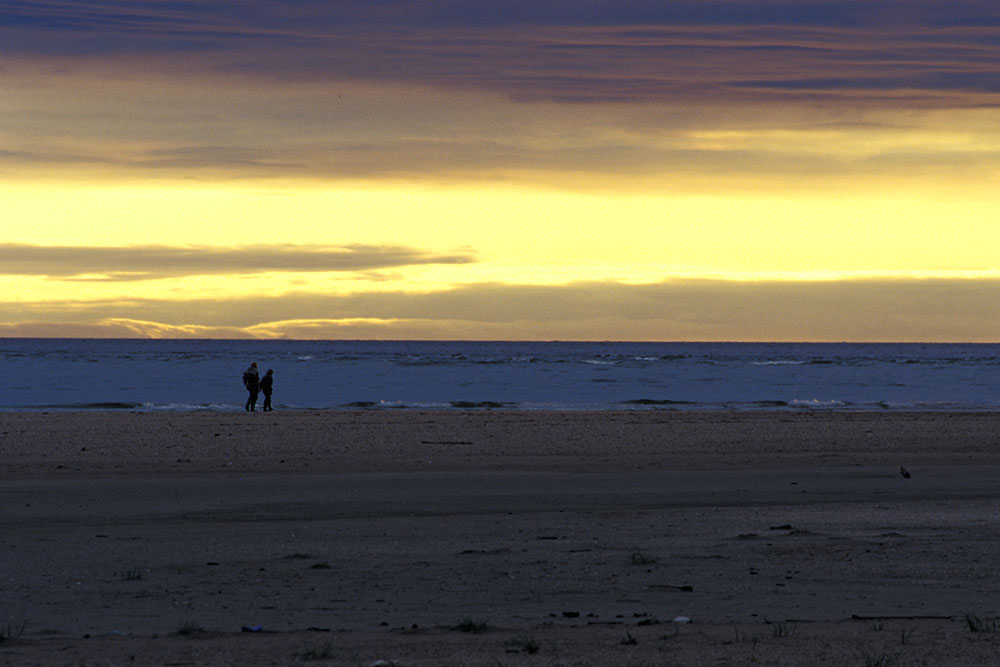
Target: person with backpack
x=251 y=380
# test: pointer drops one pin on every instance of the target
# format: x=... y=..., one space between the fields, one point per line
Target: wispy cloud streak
x=134 y=263
x=860 y=310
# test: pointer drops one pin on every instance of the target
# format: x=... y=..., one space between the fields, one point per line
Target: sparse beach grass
x=524 y=644
x=879 y=659
x=640 y=558
x=979 y=625
x=189 y=628
x=782 y=629
x=322 y=652
x=471 y=626
x=9 y=631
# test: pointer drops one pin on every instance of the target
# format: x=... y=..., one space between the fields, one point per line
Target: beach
x=499 y=537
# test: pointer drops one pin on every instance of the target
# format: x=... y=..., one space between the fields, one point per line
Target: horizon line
x=502 y=340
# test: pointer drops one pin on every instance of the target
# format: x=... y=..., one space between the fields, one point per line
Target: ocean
x=186 y=375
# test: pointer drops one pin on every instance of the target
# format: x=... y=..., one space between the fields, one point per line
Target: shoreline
x=460 y=407
x=379 y=533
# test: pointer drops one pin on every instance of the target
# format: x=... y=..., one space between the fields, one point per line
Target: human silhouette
x=251 y=380
x=266 y=383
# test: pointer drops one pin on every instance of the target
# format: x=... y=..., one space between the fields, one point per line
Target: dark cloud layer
x=366 y=90
x=601 y=50
x=276 y=15
x=852 y=310
x=144 y=262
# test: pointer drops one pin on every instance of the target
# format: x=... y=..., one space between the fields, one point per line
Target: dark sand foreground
x=499 y=538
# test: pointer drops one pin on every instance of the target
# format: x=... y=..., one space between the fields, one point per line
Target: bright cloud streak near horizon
x=712 y=170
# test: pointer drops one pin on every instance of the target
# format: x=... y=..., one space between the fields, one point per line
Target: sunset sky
x=513 y=169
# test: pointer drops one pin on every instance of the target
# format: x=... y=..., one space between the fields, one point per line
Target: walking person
x=266 y=384
x=251 y=380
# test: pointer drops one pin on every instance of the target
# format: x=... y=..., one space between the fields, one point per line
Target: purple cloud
x=605 y=50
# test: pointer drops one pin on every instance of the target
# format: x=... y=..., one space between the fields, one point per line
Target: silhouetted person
x=266 y=383
x=251 y=380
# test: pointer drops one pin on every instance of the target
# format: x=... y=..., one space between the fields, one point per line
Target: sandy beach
x=499 y=538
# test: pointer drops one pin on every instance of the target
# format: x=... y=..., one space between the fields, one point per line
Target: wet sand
x=445 y=538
